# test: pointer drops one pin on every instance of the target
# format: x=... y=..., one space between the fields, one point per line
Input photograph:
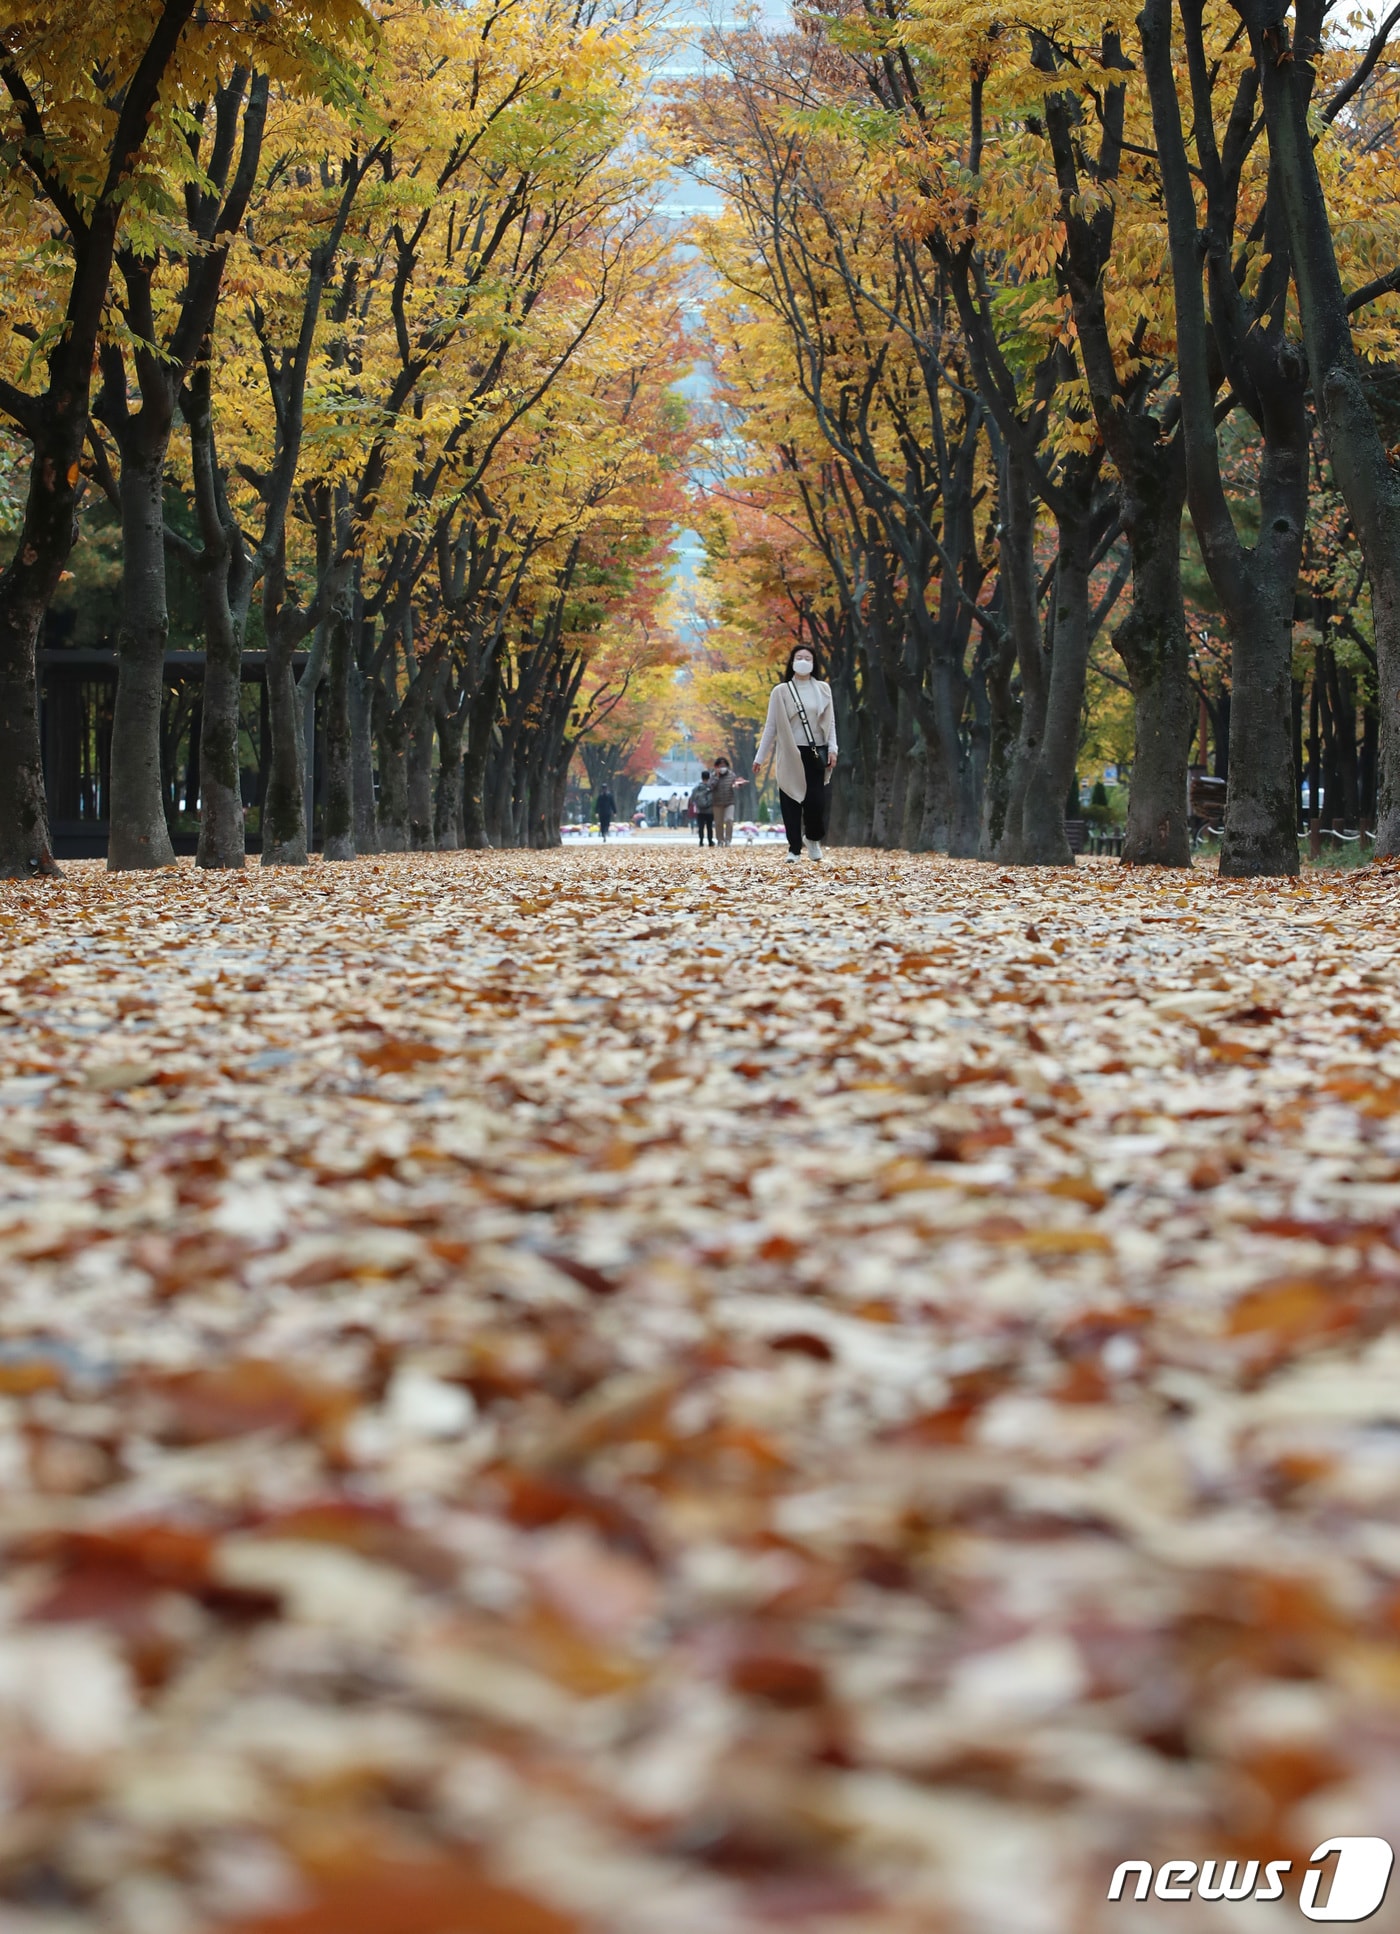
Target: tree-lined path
x=620 y=1391
x=406 y=412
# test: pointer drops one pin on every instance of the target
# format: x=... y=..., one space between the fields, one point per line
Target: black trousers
x=604 y=821
x=705 y=823
x=806 y=815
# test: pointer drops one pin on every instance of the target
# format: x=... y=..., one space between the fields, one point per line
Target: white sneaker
x=814 y=850
x=792 y=858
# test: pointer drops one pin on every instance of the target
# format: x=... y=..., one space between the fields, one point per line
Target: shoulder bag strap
x=802 y=714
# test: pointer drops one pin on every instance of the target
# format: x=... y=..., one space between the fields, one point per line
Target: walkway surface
x=662 y=1393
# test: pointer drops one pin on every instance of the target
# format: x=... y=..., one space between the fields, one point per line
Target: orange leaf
x=779 y=1678
x=394 y=1056
x=1077 y=1188
x=206 y=1406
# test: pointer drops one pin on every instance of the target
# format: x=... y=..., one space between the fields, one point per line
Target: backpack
x=703 y=797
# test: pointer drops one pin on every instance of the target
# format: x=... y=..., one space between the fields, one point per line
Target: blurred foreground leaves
x=623 y=1391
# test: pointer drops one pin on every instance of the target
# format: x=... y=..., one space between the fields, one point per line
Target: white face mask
x=802 y=665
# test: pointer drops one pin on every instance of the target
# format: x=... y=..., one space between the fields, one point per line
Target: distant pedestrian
x=607 y=807
x=724 y=783
x=702 y=804
x=801 y=728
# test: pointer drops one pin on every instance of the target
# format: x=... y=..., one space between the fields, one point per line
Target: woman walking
x=801 y=728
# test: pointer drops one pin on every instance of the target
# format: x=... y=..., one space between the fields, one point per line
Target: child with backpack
x=702 y=802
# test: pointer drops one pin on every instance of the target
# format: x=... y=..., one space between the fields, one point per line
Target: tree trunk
x=496 y=822
x=339 y=841
x=308 y=685
x=224 y=574
x=539 y=834
x=57 y=429
x=140 y=837
x=1019 y=576
x=284 y=808
x=1256 y=586
x=1314 y=751
x=481 y=716
x=963 y=838
x=934 y=827
x=934 y=698
x=883 y=829
x=865 y=738
x=838 y=814
x=224 y=607
x=25 y=591
x=170 y=362
x=283 y=805
x=1151 y=641
x=1366 y=476
x=1261 y=835
x=447 y=805
x=917 y=786
x=1151 y=638
x=362 y=742
x=419 y=758
x=501 y=790
x=1003 y=727
x=941 y=716
x=391 y=810
x=847 y=823
x=1368 y=764
x=996 y=792
x=1051 y=770
x=899 y=777
x=1259 y=591
x=557 y=793
x=1011 y=848
x=474 y=761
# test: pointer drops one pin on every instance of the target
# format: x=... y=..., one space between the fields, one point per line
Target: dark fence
x=77 y=695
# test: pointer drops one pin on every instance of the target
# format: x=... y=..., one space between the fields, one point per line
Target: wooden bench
x=1205 y=805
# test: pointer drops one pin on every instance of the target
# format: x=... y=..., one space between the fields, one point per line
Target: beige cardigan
x=784 y=732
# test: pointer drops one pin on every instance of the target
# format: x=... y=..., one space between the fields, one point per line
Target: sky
x=693 y=18
x=691 y=198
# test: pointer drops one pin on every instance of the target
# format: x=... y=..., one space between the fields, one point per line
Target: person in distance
x=724 y=783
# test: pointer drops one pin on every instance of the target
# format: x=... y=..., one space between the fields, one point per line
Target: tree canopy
x=1048 y=388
